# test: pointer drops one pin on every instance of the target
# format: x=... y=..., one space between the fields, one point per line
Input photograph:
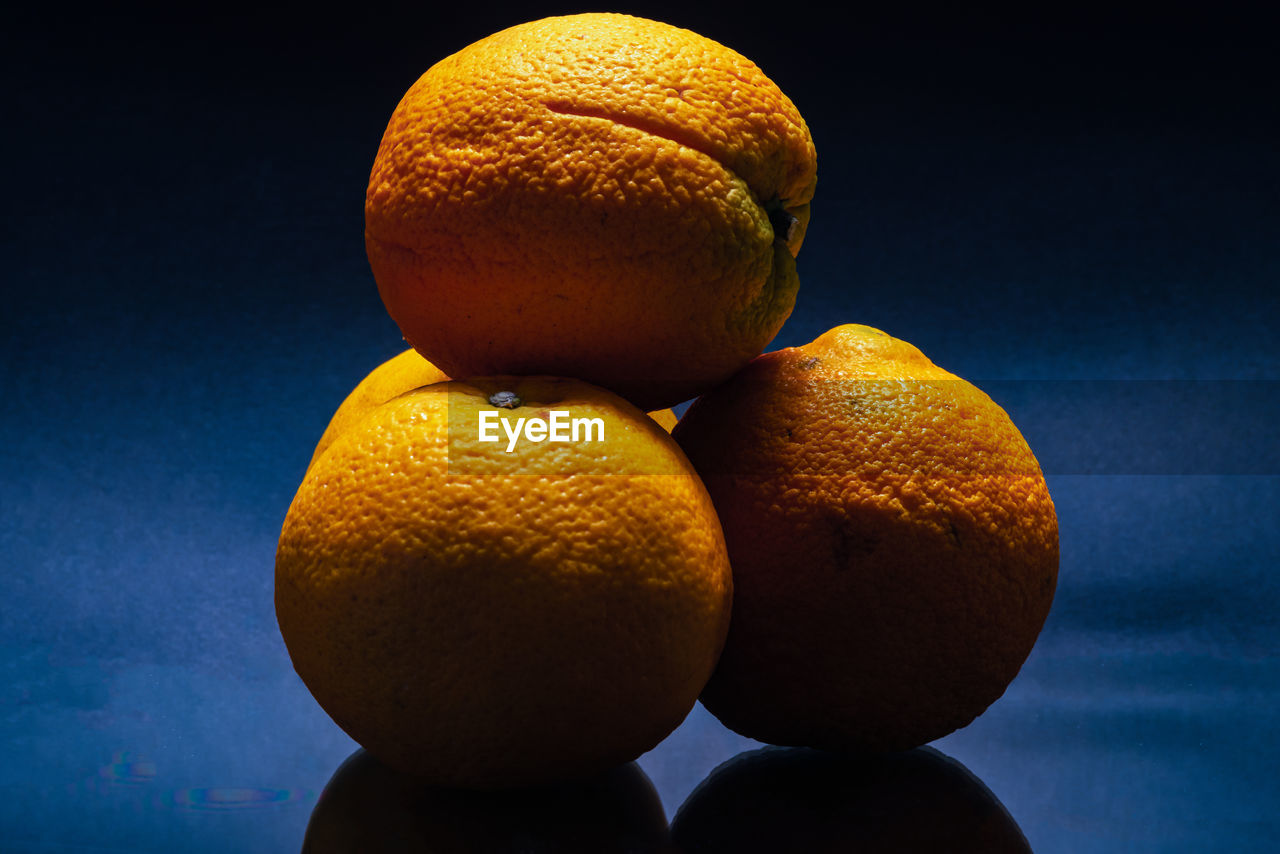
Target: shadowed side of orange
x=893 y=542
x=598 y=196
x=492 y=613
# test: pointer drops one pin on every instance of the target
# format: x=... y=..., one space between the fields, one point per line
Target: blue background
x=1078 y=212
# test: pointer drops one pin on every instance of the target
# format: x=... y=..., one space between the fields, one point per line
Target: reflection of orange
x=368 y=807
x=597 y=196
x=893 y=543
x=794 y=799
x=486 y=619
x=395 y=376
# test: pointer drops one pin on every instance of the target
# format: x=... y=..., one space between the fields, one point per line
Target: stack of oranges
x=530 y=572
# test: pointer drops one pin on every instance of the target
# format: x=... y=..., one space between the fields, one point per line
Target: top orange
x=596 y=196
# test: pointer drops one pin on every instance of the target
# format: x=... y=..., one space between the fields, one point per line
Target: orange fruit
x=368 y=807
x=597 y=196
x=484 y=618
x=399 y=374
x=393 y=377
x=665 y=418
x=893 y=543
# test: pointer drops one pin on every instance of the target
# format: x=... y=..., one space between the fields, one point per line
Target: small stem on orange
x=505 y=399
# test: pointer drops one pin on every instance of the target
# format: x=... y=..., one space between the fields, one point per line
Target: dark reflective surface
x=1052 y=206
x=792 y=799
x=367 y=807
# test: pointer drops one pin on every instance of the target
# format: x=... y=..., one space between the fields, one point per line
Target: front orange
x=488 y=613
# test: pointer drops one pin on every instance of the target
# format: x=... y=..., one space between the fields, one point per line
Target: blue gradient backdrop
x=1076 y=211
